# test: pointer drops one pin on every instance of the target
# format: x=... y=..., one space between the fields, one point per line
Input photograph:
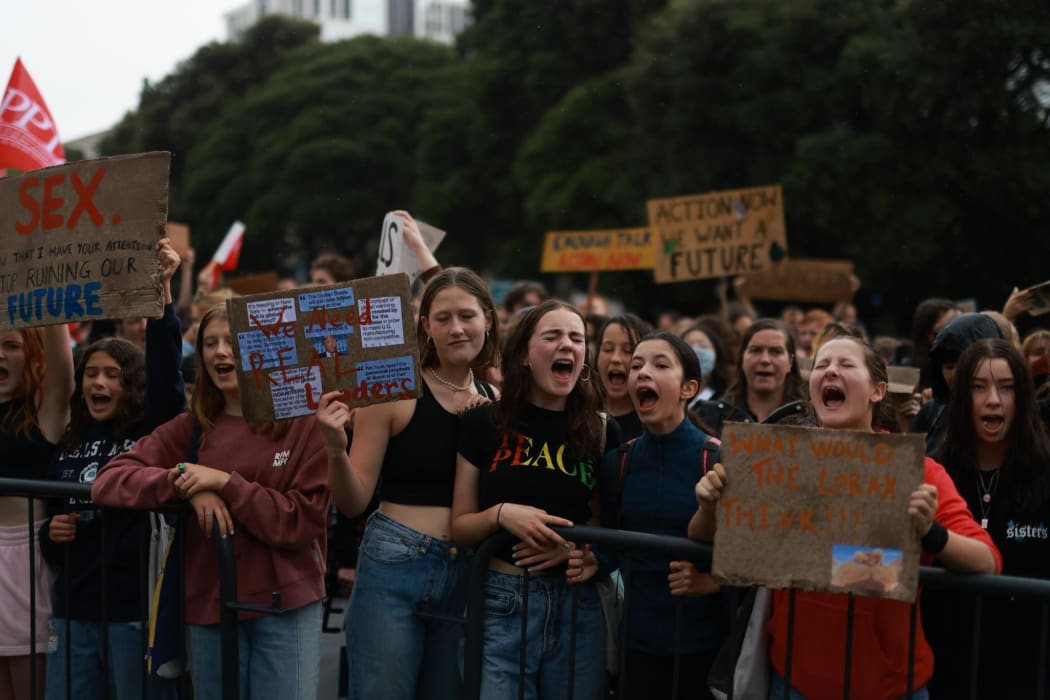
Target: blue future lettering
x=68 y=303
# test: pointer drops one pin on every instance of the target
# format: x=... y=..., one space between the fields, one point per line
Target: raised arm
x=352 y=477
x=165 y=390
x=57 y=387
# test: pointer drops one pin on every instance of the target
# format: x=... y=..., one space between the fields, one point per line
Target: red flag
x=229 y=252
x=28 y=136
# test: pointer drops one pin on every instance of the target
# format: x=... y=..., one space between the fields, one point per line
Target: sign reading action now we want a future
x=292 y=346
x=818 y=509
x=718 y=234
x=79 y=241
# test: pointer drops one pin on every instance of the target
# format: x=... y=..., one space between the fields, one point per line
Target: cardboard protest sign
x=800 y=279
x=591 y=251
x=903 y=380
x=818 y=509
x=1040 y=298
x=180 y=237
x=256 y=283
x=292 y=346
x=79 y=241
x=395 y=256
x=718 y=234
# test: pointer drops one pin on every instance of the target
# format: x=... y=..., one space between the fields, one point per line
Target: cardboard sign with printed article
x=718 y=234
x=597 y=251
x=79 y=241
x=801 y=279
x=817 y=509
x=292 y=346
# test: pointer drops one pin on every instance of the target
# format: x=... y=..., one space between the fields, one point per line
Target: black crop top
x=23 y=457
x=419 y=467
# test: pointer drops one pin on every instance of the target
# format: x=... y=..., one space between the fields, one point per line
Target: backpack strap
x=621 y=477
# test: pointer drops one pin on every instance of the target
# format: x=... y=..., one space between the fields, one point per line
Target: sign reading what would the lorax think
x=78 y=241
x=718 y=234
x=818 y=509
x=292 y=346
x=591 y=251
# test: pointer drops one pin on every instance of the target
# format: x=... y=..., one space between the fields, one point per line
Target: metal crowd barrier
x=676 y=548
x=623 y=541
x=36 y=489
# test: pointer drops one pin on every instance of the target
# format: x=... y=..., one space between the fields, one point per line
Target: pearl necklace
x=454 y=387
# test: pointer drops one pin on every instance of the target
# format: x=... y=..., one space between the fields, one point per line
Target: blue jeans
x=394 y=651
x=548 y=642
x=776 y=690
x=279 y=656
x=125 y=665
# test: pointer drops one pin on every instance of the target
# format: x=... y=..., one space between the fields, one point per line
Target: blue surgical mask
x=707 y=359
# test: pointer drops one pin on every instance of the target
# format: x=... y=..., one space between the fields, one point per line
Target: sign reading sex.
x=294 y=345
x=79 y=241
x=818 y=509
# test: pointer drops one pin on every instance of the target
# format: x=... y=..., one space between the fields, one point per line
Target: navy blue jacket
x=658 y=497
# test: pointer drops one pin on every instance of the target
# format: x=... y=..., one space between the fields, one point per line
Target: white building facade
x=439 y=20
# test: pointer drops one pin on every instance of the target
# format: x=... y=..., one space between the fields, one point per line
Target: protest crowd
x=363 y=436
x=532 y=413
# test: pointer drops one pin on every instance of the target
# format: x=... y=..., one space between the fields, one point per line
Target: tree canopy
x=910 y=137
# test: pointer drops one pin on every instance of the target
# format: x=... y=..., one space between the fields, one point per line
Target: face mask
x=707 y=360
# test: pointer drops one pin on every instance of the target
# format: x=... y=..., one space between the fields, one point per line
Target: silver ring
x=207 y=513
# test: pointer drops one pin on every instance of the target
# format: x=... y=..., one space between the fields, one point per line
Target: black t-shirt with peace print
x=532 y=466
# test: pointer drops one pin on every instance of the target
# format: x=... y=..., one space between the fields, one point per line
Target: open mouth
x=100 y=402
x=832 y=396
x=4 y=374
x=647 y=398
x=224 y=369
x=992 y=424
x=617 y=379
x=562 y=370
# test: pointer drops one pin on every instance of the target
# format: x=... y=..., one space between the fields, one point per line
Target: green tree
x=173 y=112
x=314 y=157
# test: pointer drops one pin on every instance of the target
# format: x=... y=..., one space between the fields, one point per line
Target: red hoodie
x=879 y=662
x=277 y=495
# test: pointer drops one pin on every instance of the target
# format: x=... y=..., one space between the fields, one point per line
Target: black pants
x=650 y=677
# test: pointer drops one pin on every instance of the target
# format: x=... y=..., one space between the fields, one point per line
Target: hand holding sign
x=406 y=245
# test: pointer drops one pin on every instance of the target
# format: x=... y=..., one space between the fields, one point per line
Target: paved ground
x=331 y=652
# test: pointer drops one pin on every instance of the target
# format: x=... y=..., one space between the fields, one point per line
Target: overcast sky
x=88 y=57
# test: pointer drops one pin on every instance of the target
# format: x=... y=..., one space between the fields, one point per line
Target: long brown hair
x=27 y=393
x=584 y=401
x=132 y=362
x=207 y=400
x=467 y=280
x=1026 y=480
x=793 y=388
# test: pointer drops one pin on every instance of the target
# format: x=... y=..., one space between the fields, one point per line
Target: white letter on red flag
x=28 y=135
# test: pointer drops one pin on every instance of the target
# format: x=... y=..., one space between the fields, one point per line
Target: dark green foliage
x=911 y=137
